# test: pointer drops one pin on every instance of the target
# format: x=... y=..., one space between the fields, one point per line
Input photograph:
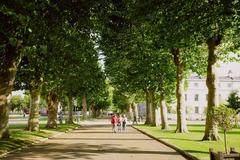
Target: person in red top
x=114 y=121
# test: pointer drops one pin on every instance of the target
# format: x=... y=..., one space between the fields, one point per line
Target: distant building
x=196 y=94
x=142 y=109
x=18 y=93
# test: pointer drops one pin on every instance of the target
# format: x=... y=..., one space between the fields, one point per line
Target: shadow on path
x=95 y=142
x=107 y=139
x=80 y=150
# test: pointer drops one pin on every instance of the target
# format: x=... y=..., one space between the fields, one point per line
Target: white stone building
x=196 y=94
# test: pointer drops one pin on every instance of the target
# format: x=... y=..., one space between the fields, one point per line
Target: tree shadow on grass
x=25 y=134
x=12 y=143
x=182 y=139
x=232 y=132
x=21 y=138
x=196 y=131
x=17 y=126
x=196 y=151
x=195 y=125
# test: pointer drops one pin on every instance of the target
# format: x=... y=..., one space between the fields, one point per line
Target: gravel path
x=95 y=140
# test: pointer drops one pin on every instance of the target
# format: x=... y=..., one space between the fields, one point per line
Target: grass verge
x=20 y=137
x=191 y=142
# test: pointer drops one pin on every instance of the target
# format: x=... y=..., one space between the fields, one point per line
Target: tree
x=86 y=79
x=19 y=103
x=120 y=101
x=172 y=30
x=32 y=26
x=100 y=100
x=52 y=103
x=16 y=103
x=234 y=101
x=181 y=109
x=213 y=28
x=163 y=109
x=33 y=45
x=126 y=40
x=14 y=28
x=226 y=118
x=54 y=42
x=30 y=77
x=181 y=24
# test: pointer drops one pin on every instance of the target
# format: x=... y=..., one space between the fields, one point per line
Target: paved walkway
x=96 y=141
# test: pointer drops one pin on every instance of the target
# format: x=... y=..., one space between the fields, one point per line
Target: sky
x=18 y=93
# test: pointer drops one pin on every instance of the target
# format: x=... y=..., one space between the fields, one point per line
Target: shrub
x=226 y=118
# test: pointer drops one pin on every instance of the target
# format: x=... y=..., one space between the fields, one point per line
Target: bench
x=233 y=155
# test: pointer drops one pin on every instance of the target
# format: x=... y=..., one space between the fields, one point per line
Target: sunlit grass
x=192 y=142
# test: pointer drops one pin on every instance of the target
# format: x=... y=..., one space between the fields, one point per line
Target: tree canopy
x=148 y=49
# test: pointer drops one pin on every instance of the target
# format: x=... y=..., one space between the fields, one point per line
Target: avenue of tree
x=52 y=49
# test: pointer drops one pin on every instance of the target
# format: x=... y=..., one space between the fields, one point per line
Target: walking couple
x=119 y=123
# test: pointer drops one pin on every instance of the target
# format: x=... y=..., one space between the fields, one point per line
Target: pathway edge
x=182 y=152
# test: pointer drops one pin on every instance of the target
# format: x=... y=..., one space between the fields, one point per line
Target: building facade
x=197 y=93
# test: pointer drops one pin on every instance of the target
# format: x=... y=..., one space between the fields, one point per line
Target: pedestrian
x=114 y=121
x=60 y=117
x=120 y=123
x=24 y=114
x=124 y=122
x=78 y=116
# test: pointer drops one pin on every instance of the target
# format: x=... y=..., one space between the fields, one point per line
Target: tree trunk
x=135 y=111
x=70 y=110
x=181 y=108
x=130 y=111
x=11 y=60
x=225 y=141
x=52 y=102
x=163 y=108
x=211 y=132
x=91 y=107
x=84 y=106
x=99 y=112
x=33 y=120
x=152 y=105
x=94 y=112
x=148 y=113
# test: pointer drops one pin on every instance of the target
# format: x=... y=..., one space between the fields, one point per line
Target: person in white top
x=120 y=118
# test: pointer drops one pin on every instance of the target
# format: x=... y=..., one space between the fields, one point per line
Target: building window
x=195 y=84
x=219 y=84
x=229 y=85
x=185 y=97
x=196 y=97
x=196 y=110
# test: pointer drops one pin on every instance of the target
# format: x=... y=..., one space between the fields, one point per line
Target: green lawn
x=191 y=142
x=20 y=137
